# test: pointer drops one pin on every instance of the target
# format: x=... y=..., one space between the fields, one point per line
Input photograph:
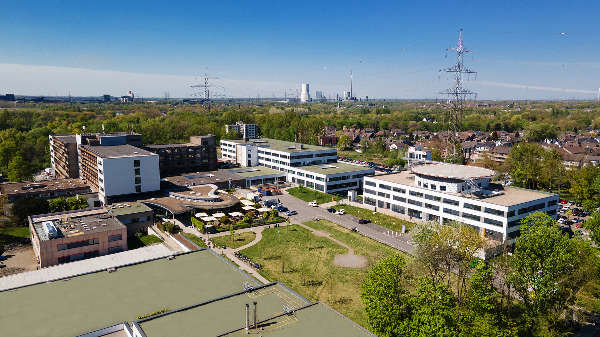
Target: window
x=63 y=246
x=416 y=194
x=385 y=187
x=397 y=189
x=115 y=250
x=114 y=237
x=368 y=191
x=473 y=207
x=552 y=203
x=451 y=211
x=511 y=213
x=493 y=222
x=442 y=188
x=397 y=198
x=413 y=202
x=432 y=197
x=433 y=207
x=514 y=223
x=382 y=194
x=136 y=163
x=138 y=180
x=471 y=216
x=136 y=171
x=451 y=202
x=433 y=187
x=513 y=235
x=494 y=211
x=425 y=185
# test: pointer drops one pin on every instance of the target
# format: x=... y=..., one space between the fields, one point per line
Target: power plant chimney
x=305 y=96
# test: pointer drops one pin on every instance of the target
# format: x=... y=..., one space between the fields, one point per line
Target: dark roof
x=118 y=151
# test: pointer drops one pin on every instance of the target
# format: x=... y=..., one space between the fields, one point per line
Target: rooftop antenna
x=457 y=93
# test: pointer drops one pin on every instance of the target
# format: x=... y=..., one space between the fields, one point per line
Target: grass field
x=238 y=240
x=380 y=219
x=304 y=263
x=134 y=242
x=8 y=235
x=309 y=195
x=194 y=239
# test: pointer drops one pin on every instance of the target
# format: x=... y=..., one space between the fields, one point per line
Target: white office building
x=119 y=171
x=312 y=166
x=246 y=130
x=448 y=192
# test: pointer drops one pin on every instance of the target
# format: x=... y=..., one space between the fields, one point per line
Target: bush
x=169 y=228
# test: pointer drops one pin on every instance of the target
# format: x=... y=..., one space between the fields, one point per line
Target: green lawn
x=237 y=241
x=380 y=219
x=309 y=195
x=307 y=262
x=134 y=242
x=194 y=239
x=8 y=235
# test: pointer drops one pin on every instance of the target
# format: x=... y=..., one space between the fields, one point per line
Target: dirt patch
x=19 y=258
x=350 y=261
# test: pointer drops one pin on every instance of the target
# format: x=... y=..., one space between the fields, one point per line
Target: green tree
x=344 y=143
x=77 y=202
x=589 y=205
x=19 y=169
x=537 y=132
x=385 y=296
x=58 y=205
x=543 y=262
x=8 y=150
x=431 y=311
x=524 y=165
x=25 y=207
x=224 y=220
x=231 y=231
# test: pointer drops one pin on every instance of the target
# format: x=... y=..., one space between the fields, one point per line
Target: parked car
x=282 y=209
x=579 y=225
x=313 y=203
x=363 y=221
x=340 y=212
x=561 y=221
x=578 y=204
x=563 y=201
x=331 y=210
x=288 y=213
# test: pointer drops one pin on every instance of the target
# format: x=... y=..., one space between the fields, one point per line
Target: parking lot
x=574 y=221
x=377 y=167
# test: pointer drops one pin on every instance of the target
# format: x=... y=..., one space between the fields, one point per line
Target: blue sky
x=522 y=49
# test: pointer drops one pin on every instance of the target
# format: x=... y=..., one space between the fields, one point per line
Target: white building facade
x=315 y=167
x=496 y=213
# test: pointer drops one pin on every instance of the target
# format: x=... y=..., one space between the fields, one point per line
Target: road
x=378 y=233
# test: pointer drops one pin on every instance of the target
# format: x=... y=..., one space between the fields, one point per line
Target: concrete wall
x=119 y=175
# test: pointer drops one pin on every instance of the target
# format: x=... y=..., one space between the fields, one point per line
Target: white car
x=340 y=212
x=313 y=203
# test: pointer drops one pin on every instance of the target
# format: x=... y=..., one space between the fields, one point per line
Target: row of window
x=115 y=238
x=531 y=208
x=77 y=257
x=78 y=244
x=135 y=220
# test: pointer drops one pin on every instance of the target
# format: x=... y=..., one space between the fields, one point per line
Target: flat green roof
x=97 y=300
x=221 y=316
x=134 y=207
x=254 y=171
x=281 y=145
x=316 y=320
x=333 y=168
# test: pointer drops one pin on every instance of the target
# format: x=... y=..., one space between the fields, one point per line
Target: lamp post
x=279 y=232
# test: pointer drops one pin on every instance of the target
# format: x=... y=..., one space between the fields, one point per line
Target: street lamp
x=279 y=232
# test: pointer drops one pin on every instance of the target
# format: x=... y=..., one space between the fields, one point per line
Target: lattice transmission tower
x=206 y=87
x=457 y=94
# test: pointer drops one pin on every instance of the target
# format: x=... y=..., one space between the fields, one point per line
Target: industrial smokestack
x=351 y=94
x=305 y=96
x=254 y=323
x=247 y=317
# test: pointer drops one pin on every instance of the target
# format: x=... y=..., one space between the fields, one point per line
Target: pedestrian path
x=327 y=235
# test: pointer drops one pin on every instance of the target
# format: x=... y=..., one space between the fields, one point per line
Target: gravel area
x=19 y=258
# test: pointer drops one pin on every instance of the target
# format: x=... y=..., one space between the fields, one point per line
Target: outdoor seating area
x=238 y=219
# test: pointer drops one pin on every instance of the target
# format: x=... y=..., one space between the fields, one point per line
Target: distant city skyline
x=270 y=48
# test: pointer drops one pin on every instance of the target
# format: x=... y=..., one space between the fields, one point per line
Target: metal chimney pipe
x=254 y=307
x=247 y=316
